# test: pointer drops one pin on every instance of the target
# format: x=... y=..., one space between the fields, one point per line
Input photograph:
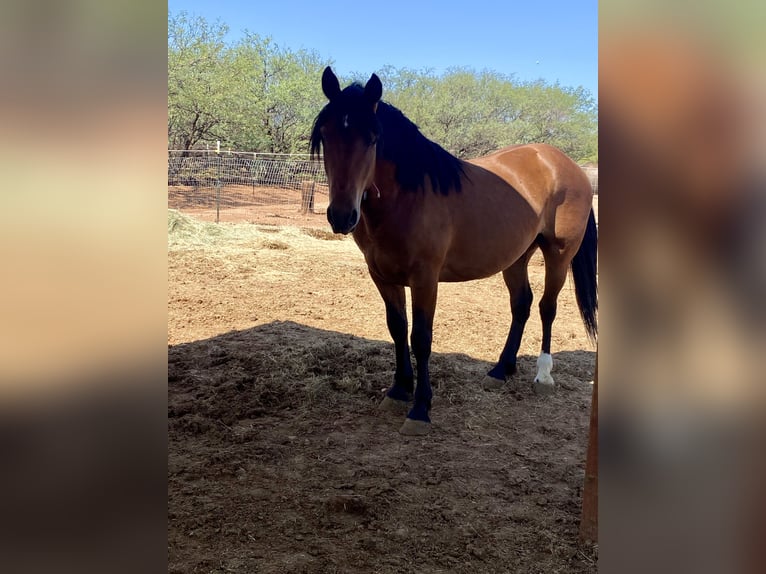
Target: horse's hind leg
x=556 y=267
x=517 y=280
x=400 y=394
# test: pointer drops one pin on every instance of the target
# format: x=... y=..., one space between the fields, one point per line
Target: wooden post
x=589 y=518
x=307 y=197
x=217 y=201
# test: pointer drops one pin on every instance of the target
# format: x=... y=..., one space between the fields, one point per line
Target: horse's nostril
x=342 y=221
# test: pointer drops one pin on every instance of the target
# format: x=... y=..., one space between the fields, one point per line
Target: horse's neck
x=381 y=198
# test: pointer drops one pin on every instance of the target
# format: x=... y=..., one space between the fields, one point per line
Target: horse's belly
x=478 y=264
x=455 y=276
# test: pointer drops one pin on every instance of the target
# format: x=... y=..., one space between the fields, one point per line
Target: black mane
x=398 y=140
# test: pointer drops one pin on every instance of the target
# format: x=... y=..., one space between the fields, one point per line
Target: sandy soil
x=279 y=459
x=242 y=203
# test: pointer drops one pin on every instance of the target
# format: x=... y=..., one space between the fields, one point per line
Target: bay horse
x=421 y=215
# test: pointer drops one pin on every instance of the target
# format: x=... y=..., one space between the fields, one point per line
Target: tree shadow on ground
x=287 y=364
x=279 y=460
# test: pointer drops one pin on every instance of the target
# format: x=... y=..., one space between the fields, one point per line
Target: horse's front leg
x=418 y=421
x=399 y=395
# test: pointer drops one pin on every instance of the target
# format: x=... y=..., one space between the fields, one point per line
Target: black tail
x=584 y=273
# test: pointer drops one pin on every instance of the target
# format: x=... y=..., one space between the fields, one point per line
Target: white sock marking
x=544 y=366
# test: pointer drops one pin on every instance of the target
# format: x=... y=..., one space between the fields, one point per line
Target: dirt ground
x=245 y=204
x=279 y=459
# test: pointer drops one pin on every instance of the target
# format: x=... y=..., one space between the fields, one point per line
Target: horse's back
x=556 y=188
x=536 y=169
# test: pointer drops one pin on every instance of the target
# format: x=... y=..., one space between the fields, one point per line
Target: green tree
x=255 y=95
x=563 y=117
x=473 y=113
x=250 y=95
x=280 y=99
x=200 y=86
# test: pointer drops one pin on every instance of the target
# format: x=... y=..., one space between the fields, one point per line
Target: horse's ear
x=373 y=90
x=330 y=85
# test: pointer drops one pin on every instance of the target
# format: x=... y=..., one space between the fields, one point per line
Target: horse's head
x=347 y=131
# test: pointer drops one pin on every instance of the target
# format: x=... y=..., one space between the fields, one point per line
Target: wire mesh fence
x=592 y=173
x=255 y=186
x=202 y=181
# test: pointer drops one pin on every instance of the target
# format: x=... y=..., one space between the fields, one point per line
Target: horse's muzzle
x=342 y=220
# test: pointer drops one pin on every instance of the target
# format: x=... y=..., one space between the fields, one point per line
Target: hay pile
x=187 y=233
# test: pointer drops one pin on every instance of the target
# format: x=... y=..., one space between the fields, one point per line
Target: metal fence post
x=218 y=182
x=252 y=171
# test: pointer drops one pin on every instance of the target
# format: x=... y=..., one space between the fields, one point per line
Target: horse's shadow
x=284 y=365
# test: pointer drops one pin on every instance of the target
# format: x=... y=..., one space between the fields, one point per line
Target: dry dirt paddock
x=279 y=459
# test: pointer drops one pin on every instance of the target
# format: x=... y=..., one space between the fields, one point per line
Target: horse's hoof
x=491 y=383
x=541 y=386
x=393 y=405
x=415 y=428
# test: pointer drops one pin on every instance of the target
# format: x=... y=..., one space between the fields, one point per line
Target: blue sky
x=554 y=40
